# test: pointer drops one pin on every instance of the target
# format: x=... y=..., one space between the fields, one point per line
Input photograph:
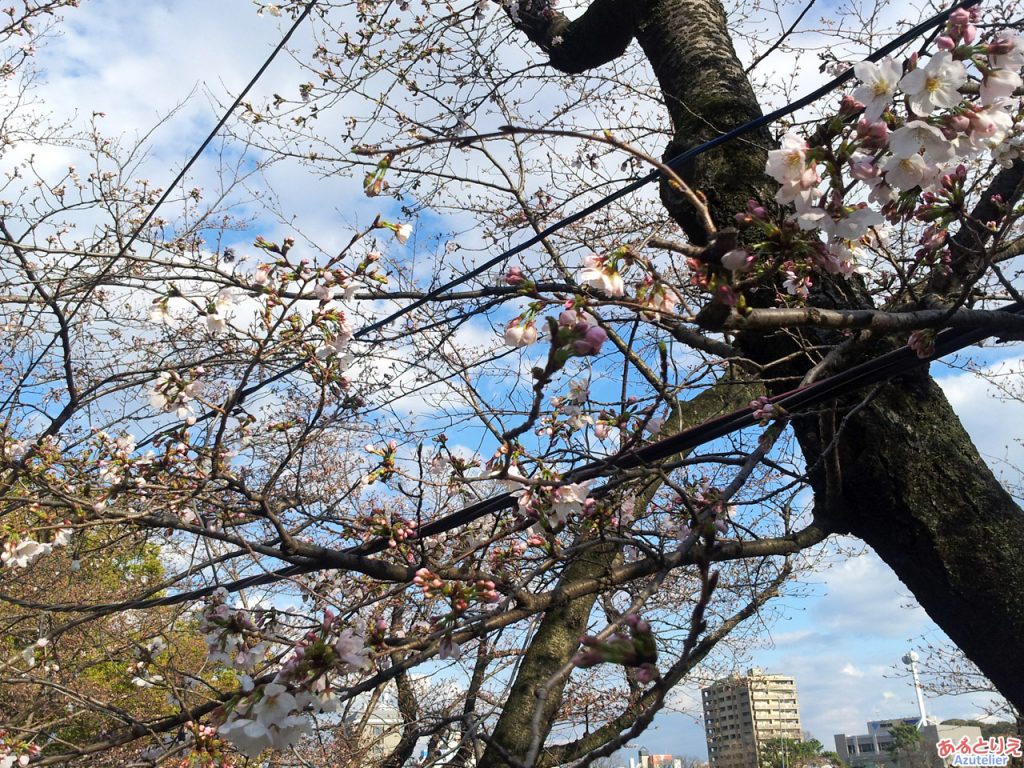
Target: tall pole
x=910 y=660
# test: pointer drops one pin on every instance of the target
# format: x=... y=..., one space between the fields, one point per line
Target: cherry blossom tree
x=240 y=514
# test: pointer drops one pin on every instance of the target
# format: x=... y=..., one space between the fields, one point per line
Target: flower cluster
x=15 y=753
x=903 y=134
x=21 y=551
x=579 y=332
x=601 y=273
x=520 y=332
x=381 y=523
x=207 y=748
x=386 y=469
x=232 y=636
x=460 y=595
x=173 y=392
x=638 y=650
x=551 y=506
x=272 y=715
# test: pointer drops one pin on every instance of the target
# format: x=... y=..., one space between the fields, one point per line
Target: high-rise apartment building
x=741 y=713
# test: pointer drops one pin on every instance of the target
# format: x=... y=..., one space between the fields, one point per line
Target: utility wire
x=877 y=370
x=220 y=124
x=134 y=235
x=675 y=163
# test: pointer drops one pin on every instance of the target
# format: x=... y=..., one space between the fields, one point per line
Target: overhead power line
x=220 y=124
x=875 y=371
x=676 y=163
x=148 y=218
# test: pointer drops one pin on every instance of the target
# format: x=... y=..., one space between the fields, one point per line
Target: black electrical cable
x=220 y=124
x=134 y=235
x=877 y=370
x=675 y=163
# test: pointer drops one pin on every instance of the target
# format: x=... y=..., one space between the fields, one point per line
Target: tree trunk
x=912 y=484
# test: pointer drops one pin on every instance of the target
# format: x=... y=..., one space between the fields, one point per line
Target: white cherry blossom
x=249 y=737
x=907 y=172
x=1010 y=51
x=917 y=135
x=352 y=651
x=23 y=553
x=935 y=85
x=879 y=83
x=275 y=705
x=999 y=84
x=596 y=274
x=403 y=232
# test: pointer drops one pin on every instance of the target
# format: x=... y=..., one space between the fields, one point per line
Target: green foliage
x=905 y=738
x=790 y=753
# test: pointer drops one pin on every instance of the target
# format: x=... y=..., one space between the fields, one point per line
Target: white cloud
x=864 y=596
x=851 y=671
x=987 y=402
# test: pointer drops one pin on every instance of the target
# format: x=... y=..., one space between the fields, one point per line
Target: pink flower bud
x=959 y=17
x=1002 y=45
x=515 y=276
x=591 y=342
x=958 y=123
x=849 y=105
x=865 y=170
x=738 y=260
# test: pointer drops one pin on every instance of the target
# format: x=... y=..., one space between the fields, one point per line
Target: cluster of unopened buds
x=395 y=528
x=516 y=276
x=499 y=556
x=207 y=750
x=376 y=632
x=386 y=469
x=764 y=409
x=428 y=581
x=922 y=342
x=946 y=200
x=521 y=332
x=579 y=332
x=712 y=513
x=459 y=595
x=599 y=515
x=638 y=650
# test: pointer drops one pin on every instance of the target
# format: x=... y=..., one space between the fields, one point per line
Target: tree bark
x=558 y=636
x=912 y=484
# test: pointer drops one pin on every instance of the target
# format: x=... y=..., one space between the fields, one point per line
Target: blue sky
x=842 y=641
